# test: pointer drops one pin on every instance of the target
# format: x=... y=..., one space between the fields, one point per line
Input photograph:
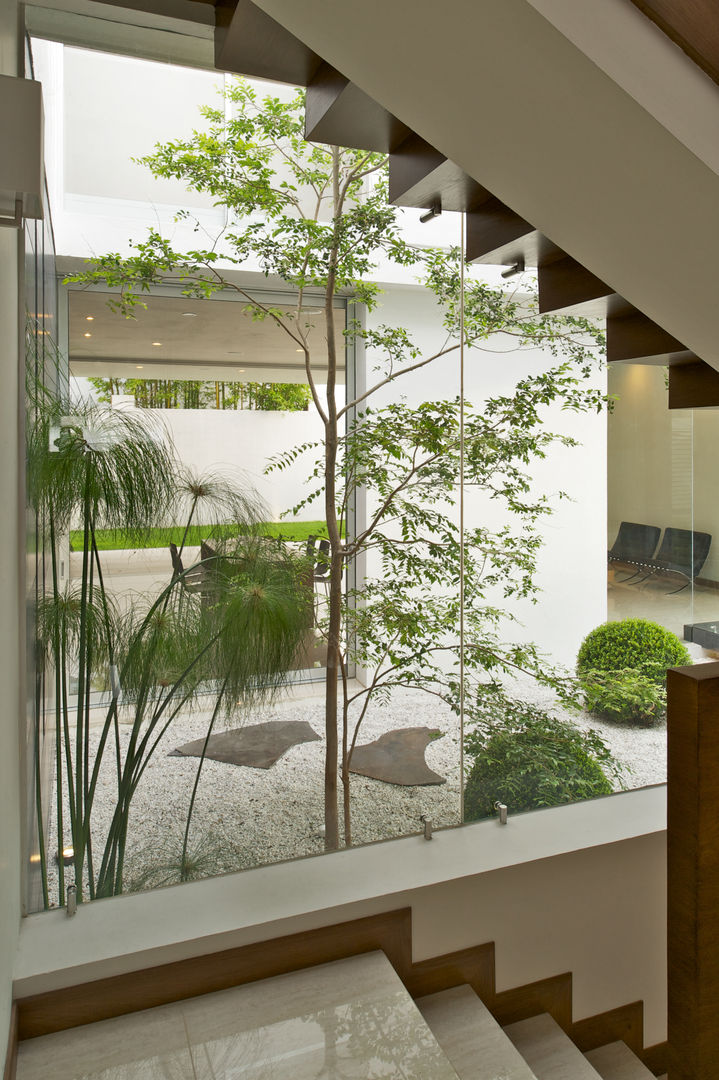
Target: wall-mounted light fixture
x=21 y=153
x=518 y=268
x=434 y=211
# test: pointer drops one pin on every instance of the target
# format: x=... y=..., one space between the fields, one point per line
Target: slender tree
x=318 y=219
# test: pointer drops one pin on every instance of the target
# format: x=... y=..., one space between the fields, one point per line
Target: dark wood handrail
x=693 y=25
x=693 y=871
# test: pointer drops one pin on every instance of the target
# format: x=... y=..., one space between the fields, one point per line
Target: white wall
x=241 y=443
x=572 y=563
x=101 y=111
x=11 y=623
x=661 y=462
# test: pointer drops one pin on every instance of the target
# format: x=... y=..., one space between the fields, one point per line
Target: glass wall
x=44 y=376
x=662 y=521
x=329 y=512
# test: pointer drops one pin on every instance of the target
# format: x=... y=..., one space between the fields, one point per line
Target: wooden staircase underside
x=249 y=42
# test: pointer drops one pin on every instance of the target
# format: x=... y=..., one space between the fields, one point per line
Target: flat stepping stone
x=397 y=757
x=258 y=746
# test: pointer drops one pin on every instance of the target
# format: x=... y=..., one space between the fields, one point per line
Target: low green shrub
x=632 y=643
x=627 y=696
x=622 y=667
x=527 y=758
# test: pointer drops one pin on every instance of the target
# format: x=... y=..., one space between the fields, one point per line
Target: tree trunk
x=336 y=553
x=332 y=838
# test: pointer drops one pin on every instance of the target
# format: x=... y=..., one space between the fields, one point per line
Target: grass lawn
x=117 y=539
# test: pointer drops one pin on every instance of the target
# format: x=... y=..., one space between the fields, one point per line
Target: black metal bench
x=682 y=552
x=634 y=543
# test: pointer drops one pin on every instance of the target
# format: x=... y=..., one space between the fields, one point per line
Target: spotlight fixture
x=157 y=343
x=241 y=370
x=139 y=367
x=87 y=334
x=66 y=855
x=434 y=211
x=299 y=350
x=189 y=314
x=89 y=318
x=35 y=858
x=518 y=268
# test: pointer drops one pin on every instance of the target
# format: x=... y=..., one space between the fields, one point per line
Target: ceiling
x=178 y=338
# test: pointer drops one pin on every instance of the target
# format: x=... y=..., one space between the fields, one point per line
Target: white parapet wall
x=578 y=889
x=240 y=444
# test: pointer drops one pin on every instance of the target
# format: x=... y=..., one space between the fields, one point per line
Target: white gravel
x=641 y=751
x=246 y=817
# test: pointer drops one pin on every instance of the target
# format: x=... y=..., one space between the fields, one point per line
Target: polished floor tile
x=352 y=1018
x=349 y=1019
x=151 y=1045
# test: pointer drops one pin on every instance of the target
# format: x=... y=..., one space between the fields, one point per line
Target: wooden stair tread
x=470 y=1037
x=549 y=1052
x=616 y=1061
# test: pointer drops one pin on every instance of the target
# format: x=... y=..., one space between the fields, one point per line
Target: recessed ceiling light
x=88 y=334
x=157 y=343
x=299 y=350
x=241 y=370
x=189 y=314
x=89 y=318
x=139 y=366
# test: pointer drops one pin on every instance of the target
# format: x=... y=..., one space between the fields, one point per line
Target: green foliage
x=321 y=223
x=622 y=668
x=632 y=643
x=167 y=862
x=528 y=759
x=625 y=695
x=194 y=394
x=238 y=638
x=158 y=537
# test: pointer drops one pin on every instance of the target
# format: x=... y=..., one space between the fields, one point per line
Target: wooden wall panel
x=693 y=871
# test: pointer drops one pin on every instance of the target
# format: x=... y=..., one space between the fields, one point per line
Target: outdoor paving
x=258 y=746
x=397 y=757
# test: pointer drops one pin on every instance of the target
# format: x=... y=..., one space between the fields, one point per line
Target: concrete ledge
x=132 y=932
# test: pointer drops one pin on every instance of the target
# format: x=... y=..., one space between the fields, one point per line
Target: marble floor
x=654 y=599
x=350 y=1019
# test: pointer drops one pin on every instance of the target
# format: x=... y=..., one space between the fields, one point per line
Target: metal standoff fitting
x=502 y=810
x=427 y=827
x=71 y=907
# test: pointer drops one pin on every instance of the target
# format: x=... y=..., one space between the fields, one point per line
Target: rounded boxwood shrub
x=622 y=667
x=528 y=759
x=632 y=643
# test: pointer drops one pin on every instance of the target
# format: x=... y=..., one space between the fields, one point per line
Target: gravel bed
x=246 y=817
x=641 y=751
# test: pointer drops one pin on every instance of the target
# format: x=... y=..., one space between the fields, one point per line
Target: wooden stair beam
x=694 y=385
x=692 y=25
x=340 y=114
x=693 y=870
x=249 y=42
x=635 y=337
x=422 y=177
x=496 y=234
x=565 y=283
